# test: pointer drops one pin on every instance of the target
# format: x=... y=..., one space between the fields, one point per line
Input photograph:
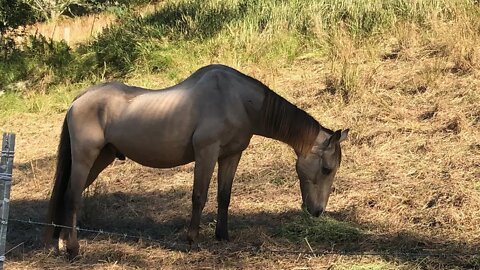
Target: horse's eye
x=326 y=171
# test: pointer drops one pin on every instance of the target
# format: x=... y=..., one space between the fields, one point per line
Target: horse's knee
x=198 y=200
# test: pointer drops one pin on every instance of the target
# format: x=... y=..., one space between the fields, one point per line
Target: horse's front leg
x=226 y=172
x=205 y=159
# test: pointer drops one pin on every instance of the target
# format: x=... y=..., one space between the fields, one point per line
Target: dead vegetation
x=409 y=181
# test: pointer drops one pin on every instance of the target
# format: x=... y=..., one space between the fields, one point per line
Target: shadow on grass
x=165 y=215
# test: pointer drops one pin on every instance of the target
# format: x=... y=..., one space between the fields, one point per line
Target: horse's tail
x=62 y=176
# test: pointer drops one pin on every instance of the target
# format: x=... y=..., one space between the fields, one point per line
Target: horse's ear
x=339 y=136
x=344 y=135
x=336 y=136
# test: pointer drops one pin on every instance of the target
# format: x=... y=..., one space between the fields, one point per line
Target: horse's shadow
x=163 y=217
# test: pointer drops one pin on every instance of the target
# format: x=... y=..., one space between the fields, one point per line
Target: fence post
x=6 y=166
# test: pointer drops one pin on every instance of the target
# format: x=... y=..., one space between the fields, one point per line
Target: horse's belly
x=158 y=155
x=163 y=141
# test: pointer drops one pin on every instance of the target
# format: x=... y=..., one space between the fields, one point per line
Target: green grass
x=57 y=100
x=184 y=34
x=323 y=230
x=11 y=102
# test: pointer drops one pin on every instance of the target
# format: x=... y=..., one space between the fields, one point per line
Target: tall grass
x=183 y=34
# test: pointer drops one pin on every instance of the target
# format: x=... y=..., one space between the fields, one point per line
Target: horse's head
x=317 y=169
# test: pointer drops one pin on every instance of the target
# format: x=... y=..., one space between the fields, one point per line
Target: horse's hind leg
x=105 y=158
x=83 y=159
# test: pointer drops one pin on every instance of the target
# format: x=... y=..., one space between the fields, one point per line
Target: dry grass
x=73 y=30
x=81 y=29
x=409 y=181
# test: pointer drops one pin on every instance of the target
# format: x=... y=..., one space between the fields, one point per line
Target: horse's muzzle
x=316 y=212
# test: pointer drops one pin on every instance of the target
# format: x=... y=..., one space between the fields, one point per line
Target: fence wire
x=169 y=244
x=310 y=252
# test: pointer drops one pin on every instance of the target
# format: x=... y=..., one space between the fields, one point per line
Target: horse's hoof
x=222 y=236
x=72 y=251
x=51 y=249
x=72 y=254
x=72 y=257
x=192 y=236
x=48 y=245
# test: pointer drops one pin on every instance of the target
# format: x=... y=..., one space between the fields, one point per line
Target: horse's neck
x=280 y=120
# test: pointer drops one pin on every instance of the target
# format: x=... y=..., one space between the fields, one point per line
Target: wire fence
x=169 y=244
x=310 y=251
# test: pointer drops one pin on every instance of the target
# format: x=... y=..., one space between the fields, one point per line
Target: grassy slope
x=403 y=75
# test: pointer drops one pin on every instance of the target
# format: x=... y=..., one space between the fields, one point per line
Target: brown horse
x=210 y=117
